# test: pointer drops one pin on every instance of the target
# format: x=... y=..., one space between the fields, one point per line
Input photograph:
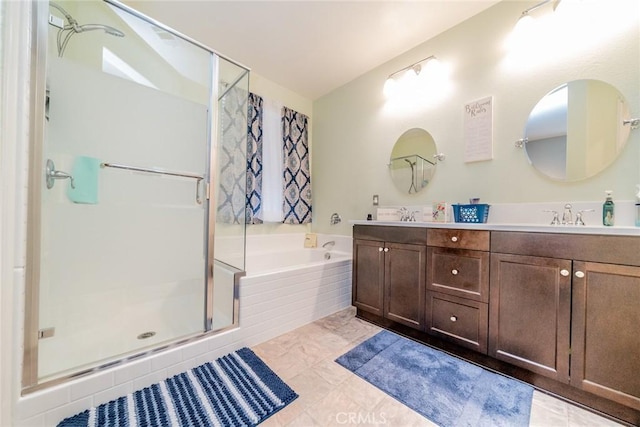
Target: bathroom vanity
x=557 y=307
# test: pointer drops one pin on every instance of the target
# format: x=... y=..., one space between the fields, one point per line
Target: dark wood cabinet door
x=368 y=276
x=530 y=309
x=605 y=343
x=405 y=269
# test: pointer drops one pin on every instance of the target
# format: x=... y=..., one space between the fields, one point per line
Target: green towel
x=85 y=179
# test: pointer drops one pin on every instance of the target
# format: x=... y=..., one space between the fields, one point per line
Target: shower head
x=73 y=28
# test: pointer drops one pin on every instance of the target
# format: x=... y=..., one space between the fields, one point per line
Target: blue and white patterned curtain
x=297 y=174
x=232 y=163
x=254 y=160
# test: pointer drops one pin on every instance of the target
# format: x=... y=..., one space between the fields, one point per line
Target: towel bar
x=198 y=178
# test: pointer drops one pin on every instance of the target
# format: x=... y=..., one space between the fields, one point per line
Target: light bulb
x=408 y=79
x=390 y=87
x=432 y=69
x=521 y=33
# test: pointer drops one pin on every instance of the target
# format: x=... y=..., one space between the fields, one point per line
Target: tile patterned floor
x=330 y=395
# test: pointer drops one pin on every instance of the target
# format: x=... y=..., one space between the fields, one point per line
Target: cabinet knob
x=564 y=272
x=380 y=249
x=453 y=318
x=454 y=239
x=454 y=272
x=386 y=249
x=579 y=274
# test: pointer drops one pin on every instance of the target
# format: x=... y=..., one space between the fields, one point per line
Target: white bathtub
x=288 y=286
x=286 y=260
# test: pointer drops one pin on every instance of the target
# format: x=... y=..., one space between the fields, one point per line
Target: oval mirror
x=576 y=130
x=412 y=164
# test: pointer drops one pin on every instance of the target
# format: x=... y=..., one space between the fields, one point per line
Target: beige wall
x=354 y=129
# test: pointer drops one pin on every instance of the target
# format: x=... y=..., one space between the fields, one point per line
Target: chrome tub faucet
x=330 y=242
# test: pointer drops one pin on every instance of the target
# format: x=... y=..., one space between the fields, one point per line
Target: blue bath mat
x=444 y=389
x=238 y=389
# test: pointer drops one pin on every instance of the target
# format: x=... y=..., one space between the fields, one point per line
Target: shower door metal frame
x=34 y=198
x=38 y=72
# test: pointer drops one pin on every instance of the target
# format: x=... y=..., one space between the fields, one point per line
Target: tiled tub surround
x=271 y=303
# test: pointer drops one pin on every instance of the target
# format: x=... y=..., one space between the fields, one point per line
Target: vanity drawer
x=459 y=320
x=458 y=272
x=462 y=239
x=409 y=235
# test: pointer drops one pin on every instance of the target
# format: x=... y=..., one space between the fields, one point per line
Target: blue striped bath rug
x=238 y=389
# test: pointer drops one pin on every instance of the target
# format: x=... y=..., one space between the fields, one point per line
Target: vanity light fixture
x=390 y=85
x=525 y=36
x=416 y=67
x=525 y=13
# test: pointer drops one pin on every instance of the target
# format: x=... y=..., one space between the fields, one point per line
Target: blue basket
x=471 y=213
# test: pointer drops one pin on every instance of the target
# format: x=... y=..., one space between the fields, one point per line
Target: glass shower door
x=124 y=210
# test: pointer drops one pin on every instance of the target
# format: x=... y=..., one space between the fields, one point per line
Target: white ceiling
x=310 y=47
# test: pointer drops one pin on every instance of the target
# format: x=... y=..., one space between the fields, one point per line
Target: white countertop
x=536 y=228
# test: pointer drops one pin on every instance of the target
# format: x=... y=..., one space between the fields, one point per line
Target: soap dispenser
x=608 y=210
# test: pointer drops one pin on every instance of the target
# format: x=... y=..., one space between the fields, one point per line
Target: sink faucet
x=555 y=220
x=404 y=214
x=567 y=217
x=579 y=220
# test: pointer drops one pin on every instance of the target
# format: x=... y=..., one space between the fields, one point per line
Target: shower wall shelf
x=198 y=178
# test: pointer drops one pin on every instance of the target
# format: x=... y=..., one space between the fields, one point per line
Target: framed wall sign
x=478 y=130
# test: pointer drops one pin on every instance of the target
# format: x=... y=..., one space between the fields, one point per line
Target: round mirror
x=577 y=130
x=412 y=164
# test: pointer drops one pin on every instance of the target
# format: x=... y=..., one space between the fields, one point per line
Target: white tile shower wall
x=270 y=305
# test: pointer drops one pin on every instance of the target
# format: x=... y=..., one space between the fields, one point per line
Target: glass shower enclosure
x=133 y=121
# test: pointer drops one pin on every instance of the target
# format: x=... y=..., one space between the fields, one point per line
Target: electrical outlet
x=56 y=21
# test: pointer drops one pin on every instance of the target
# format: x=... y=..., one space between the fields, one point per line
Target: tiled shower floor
x=330 y=395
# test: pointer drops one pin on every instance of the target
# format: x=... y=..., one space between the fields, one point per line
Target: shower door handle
x=205 y=190
x=52 y=174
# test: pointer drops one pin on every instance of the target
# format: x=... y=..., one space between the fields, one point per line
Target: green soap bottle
x=608 y=210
